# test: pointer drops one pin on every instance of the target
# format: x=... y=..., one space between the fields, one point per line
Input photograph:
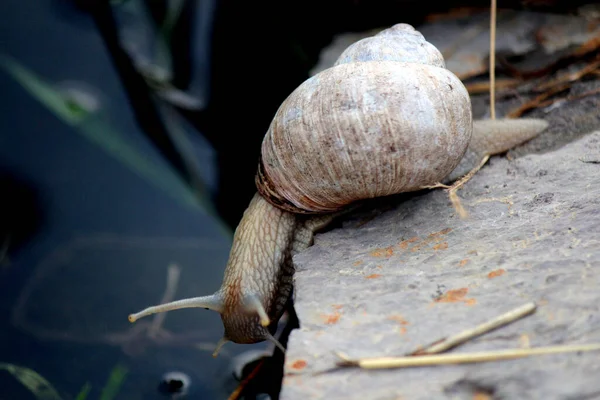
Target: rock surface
x=388 y=282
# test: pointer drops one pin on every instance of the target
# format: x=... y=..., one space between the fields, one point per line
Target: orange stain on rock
x=464 y=262
x=331 y=319
x=373 y=276
x=299 y=364
x=453 y=296
x=404 y=244
x=470 y=302
x=398 y=318
x=496 y=273
x=435 y=237
x=441 y=246
x=456 y=296
x=386 y=252
x=419 y=246
x=357 y=263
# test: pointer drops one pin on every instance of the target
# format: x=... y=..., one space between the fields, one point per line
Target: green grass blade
x=83 y=393
x=114 y=383
x=37 y=384
x=47 y=95
x=96 y=130
x=99 y=133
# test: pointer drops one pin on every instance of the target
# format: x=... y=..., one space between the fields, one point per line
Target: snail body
x=387 y=118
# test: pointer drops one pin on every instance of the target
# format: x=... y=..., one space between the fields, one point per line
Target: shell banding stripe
x=269 y=192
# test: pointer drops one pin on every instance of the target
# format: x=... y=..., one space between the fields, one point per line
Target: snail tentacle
x=272 y=339
x=219 y=346
x=253 y=304
x=213 y=302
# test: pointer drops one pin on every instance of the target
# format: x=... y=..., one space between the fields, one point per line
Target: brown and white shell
x=387 y=118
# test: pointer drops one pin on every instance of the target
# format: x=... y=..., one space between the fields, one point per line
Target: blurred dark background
x=130 y=134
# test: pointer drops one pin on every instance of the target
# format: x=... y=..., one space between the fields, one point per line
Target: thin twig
x=535 y=102
x=239 y=391
x=483 y=87
x=454 y=199
x=588 y=93
x=570 y=77
x=453 y=341
x=493 y=60
x=465 y=358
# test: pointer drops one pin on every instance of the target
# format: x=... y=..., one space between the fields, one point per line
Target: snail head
x=244 y=318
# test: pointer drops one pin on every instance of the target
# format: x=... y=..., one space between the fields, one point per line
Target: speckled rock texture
x=389 y=281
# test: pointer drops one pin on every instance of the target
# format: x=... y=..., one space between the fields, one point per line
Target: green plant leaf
x=114 y=383
x=37 y=384
x=47 y=95
x=99 y=132
x=83 y=393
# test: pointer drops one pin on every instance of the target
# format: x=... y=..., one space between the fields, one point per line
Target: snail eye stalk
x=213 y=302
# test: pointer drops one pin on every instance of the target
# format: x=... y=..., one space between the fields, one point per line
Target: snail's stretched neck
x=259 y=273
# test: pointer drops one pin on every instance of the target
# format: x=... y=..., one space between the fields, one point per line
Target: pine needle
x=454 y=199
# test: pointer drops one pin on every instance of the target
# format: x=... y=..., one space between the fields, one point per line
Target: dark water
x=106 y=236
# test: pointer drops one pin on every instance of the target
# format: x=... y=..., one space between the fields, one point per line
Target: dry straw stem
x=493 y=60
x=454 y=199
x=468 y=334
x=571 y=77
x=541 y=100
x=466 y=358
x=485 y=87
x=239 y=391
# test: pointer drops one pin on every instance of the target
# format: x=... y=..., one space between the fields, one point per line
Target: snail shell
x=386 y=118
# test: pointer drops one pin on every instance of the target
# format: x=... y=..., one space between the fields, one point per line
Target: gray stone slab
x=389 y=281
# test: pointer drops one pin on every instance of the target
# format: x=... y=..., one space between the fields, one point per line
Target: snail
x=387 y=118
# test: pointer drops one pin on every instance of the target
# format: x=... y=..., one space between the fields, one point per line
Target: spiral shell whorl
x=362 y=130
x=401 y=43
